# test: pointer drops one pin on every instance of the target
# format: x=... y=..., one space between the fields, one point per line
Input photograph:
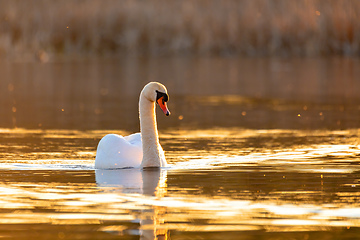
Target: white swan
x=139 y=149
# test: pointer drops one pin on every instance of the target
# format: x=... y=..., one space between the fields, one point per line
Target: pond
x=272 y=162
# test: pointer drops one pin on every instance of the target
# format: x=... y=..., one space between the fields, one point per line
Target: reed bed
x=50 y=28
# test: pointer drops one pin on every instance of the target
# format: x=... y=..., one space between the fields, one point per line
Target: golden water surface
x=230 y=182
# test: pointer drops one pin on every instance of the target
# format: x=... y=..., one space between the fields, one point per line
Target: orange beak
x=163 y=106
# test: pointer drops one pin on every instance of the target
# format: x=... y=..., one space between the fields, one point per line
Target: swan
x=139 y=150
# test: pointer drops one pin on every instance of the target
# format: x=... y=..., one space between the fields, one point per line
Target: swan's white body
x=139 y=149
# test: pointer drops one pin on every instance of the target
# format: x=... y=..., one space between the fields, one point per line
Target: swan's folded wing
x=134 y=139
x=115 y=151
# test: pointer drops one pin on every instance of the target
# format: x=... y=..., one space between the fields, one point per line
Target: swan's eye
x=162 y=95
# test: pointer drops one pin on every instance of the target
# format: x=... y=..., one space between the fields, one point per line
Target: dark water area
x=269 y=93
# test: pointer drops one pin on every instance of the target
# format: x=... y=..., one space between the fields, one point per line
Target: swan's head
x=156 y=92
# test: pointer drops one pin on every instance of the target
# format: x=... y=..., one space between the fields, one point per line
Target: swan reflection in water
x=148 y=182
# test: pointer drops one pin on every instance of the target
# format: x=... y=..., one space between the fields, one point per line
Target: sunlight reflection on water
x=219 y=214
x=219 y=180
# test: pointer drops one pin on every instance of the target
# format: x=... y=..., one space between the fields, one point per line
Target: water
x=242 y=165
x=234 y=183
x=204 y=93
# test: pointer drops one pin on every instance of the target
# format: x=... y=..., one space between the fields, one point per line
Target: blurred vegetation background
x=45 y=29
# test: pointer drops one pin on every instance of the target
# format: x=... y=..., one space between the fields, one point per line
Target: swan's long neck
x=149 y=134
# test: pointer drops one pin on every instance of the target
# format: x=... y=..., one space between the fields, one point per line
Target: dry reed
x=245 y=27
